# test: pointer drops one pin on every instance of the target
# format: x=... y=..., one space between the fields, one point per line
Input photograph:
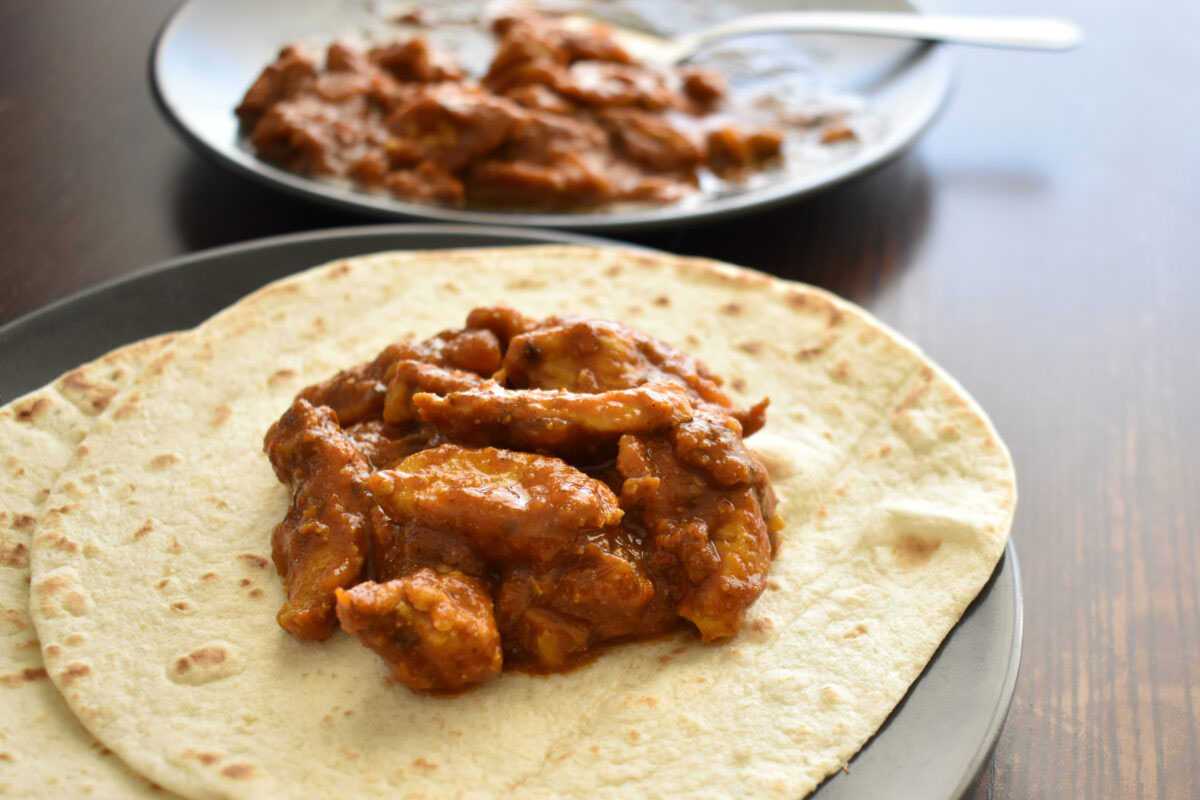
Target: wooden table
x=1042 y=243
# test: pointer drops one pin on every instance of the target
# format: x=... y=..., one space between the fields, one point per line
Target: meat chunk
x=552 y=619
x=357 y=393
x=718 y=538
x=515 y=507
x=652 y=141
x=436 y=631
x=415 y=61
x=320 y=546
x=585 y=355
x=452 y=125
x=288 y=76
x=407 y=378
x=553 y=421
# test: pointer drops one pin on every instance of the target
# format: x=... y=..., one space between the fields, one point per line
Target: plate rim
x=973 y=768
x=383 y=207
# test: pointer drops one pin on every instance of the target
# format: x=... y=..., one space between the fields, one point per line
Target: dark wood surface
x=1042 y=243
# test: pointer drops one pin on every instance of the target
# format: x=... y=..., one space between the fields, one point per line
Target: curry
x=519 y=494
x=562 y=119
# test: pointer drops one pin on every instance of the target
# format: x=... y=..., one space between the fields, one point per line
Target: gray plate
x=209 y=52
x=935 y=743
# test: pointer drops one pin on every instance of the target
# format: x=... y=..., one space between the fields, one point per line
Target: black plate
x=935 y=744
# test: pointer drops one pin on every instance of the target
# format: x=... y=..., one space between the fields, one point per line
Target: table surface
x=1041 y=243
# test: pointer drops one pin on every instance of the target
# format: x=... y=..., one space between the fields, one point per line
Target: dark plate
x=210 y=51
x=935 y=744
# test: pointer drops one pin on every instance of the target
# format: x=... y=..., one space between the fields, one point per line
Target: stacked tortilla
x=154 y=599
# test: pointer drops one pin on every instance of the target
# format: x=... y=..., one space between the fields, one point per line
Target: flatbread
x=43 y=749
x=154 y=597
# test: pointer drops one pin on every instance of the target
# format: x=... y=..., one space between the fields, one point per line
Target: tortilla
x=155 y=600
x=43 y=749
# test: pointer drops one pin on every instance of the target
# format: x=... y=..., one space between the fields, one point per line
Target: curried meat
x=717 y=537
x=435 y=631
x=515 y=507
x=564 y=118
x=553 y=421
x=320 y=546
x=519 y=492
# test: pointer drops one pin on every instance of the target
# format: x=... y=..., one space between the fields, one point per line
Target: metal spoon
x=1027 y=33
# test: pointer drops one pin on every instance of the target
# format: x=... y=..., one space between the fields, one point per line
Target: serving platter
x=209 y=52
x=934 y=745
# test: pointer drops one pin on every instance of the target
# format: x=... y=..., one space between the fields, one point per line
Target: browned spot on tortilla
x=990 y=444
x=885 y=451
x=76 y=639
x=43 y=493
x=257 y=562
x=174 y=548
x=6 y=756
x=662 y=300
x=221 y=414
x=738 y=384
x=162 y=584
x=751 y=347
x=24 y=676
x=634 y=736
x=950 y=431
x=31 y=411
x=613 y=270
x=841 y=370
x=451 y=287
x=238 y=772
x=525 y=283
x=635 y=310
x=762 y=625
x=855 y=632
x=732 y=308
x=244 y=582
x=424 y=764
x=32 y=644
x=201 y=657
x=59 y=542
x=164 y=460
x=72 y=673
x=350 y=755
x=912 y=550
x=209 y=576
x=14 y=555
x=812 y=351
x=340 y=271
x=256 y=592
x=23 y=521
x=773 y=585
x=280 y=376
x=54 y=651
x=181 y=605
x=218 y=502
x=128 y=407
x=53 y=584
x=145 y=529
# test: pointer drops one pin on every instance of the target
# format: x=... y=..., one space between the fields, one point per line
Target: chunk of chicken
x=517 y=508
x=320 y=545
x=436 y=631
x=718 y=537
x=552 y=619
x=563 y=423
x=407 y=378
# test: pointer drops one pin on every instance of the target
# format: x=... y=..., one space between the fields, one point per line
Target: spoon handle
x=1030 y=33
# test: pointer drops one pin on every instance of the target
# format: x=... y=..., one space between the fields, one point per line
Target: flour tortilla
x=155 y=602
x=43 y=749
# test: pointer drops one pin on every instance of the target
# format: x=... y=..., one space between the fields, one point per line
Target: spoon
x=1027 y=33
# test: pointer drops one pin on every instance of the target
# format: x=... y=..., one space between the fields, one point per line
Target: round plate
x=210 y=51
x=936 y=742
